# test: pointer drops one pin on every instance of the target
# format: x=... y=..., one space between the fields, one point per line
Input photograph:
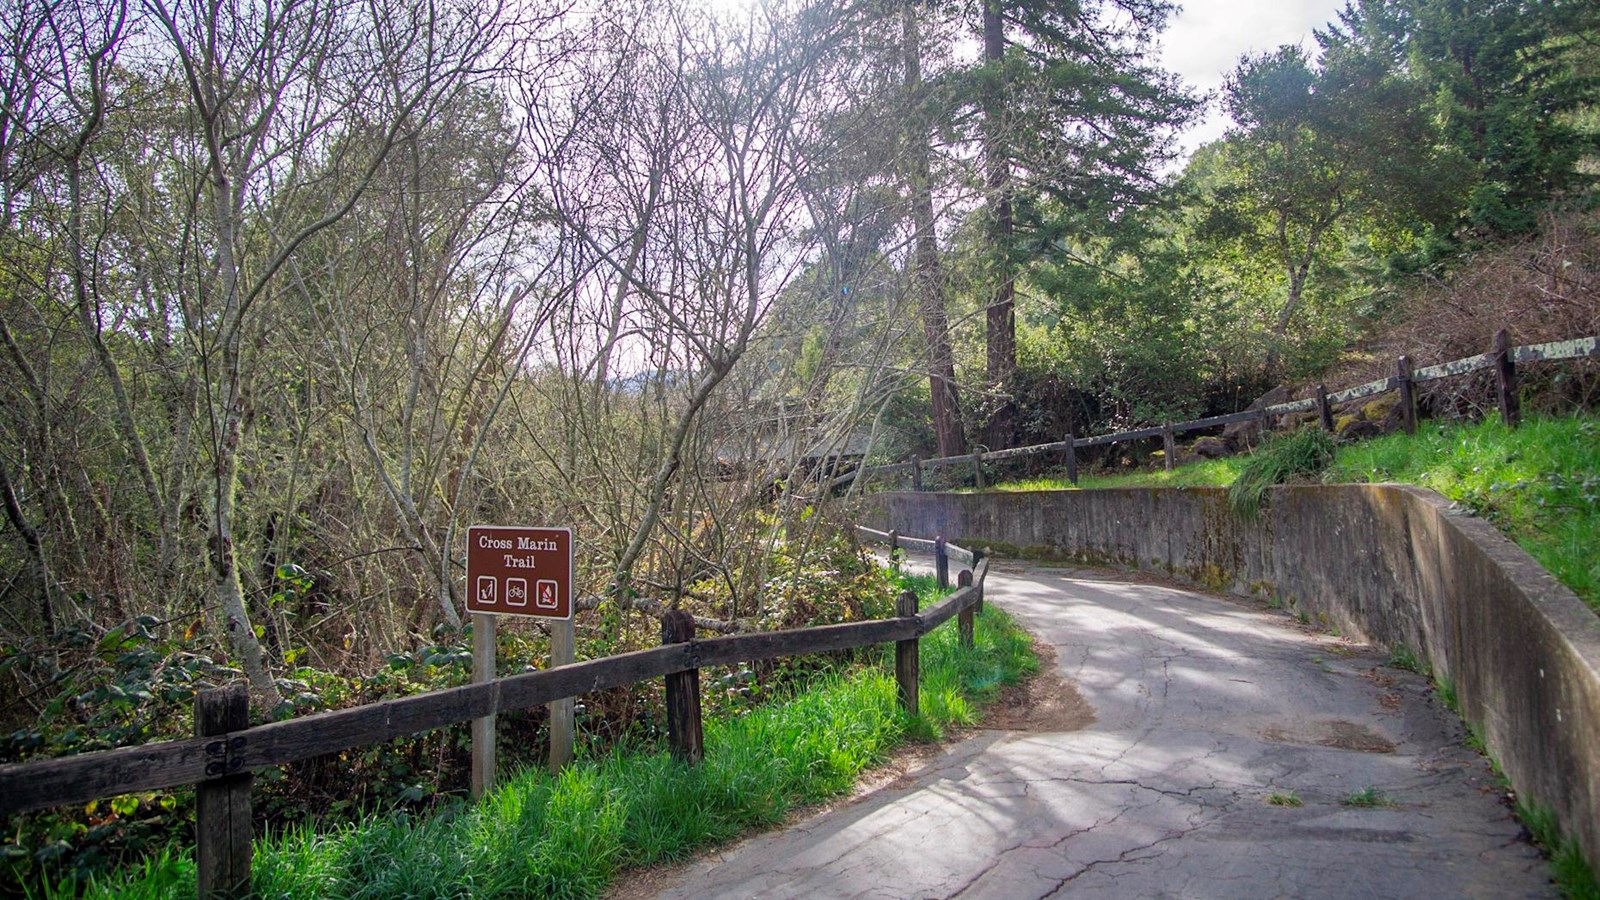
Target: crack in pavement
x=1054 y=845
x=1121 y=858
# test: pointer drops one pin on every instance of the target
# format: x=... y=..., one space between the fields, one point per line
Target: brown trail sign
x=515 y=571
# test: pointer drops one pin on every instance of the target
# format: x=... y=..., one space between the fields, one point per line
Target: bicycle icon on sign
x=516 y=592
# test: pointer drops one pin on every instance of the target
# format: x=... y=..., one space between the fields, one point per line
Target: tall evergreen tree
x=1075 y=112
x=1503 y=91
x=928 y=272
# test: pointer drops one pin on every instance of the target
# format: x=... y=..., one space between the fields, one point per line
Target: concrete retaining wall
x=1396 y=565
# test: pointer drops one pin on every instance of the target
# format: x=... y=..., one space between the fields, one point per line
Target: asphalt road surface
x=1232 y=753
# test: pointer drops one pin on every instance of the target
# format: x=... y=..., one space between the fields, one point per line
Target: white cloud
x=1204 y=42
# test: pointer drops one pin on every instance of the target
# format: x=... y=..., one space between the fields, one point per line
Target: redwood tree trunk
x=928 y=280
x=1001 y=325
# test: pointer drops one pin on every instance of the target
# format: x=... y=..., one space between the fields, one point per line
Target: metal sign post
x=517 y=571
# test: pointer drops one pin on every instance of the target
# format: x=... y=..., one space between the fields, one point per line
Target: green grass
x=568 y=836
x=1539 y=484
x=1289 y=799
x=1282 y=458
x=926 y=586
x=1366 y=798
x=1572 y=873
x=1446 y=690
x=1201 y=473
x=1403 y=657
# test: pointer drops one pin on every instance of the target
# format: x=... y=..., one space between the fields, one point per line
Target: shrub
x=1283 y=457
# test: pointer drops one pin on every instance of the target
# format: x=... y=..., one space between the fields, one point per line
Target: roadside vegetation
x=1540 y=483
x=569 y=835
x=1368 y=798
x=1573 y=875
x=818 y=575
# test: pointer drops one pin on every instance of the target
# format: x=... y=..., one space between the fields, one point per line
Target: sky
x=1207 y=38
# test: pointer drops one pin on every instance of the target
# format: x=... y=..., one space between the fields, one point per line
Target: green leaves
x=1501 y=83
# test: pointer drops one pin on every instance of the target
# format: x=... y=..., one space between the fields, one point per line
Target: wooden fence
x=225 y=750
x=1502 y=358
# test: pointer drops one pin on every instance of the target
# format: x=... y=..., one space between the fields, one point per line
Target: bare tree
x=296 y=106
x=54 y=105
x=687 y=159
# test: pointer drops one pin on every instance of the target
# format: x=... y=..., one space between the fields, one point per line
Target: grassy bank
x=568 y=836
x=1201 y=473
x=1540 y=483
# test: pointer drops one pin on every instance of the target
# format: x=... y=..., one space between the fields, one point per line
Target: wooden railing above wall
x=1502 y=357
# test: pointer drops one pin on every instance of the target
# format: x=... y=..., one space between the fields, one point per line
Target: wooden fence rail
x=1502 y=357
x=936 y=546
x=225 y=751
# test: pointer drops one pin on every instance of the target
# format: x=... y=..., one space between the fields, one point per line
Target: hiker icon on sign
x=486 y=588
x=546 y=598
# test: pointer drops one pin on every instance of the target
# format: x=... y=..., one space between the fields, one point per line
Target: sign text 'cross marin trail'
x=515 y=571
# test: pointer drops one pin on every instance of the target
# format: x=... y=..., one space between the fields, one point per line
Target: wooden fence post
x=906 y=661
x=683 y=693
x=1169 y=446
x=1072 y=459
x=894 y=548
x=1505 y=369
x=1263 y=423
x=977 y=469
x=1324 y=409
x=222 y=801
x=563 y=729
x=941 y=563
x=916 y=473
x=1408 y=394
x=483 y=762
x=964 y=579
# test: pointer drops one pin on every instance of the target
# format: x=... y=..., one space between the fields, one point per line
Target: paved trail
x=1204 y=708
